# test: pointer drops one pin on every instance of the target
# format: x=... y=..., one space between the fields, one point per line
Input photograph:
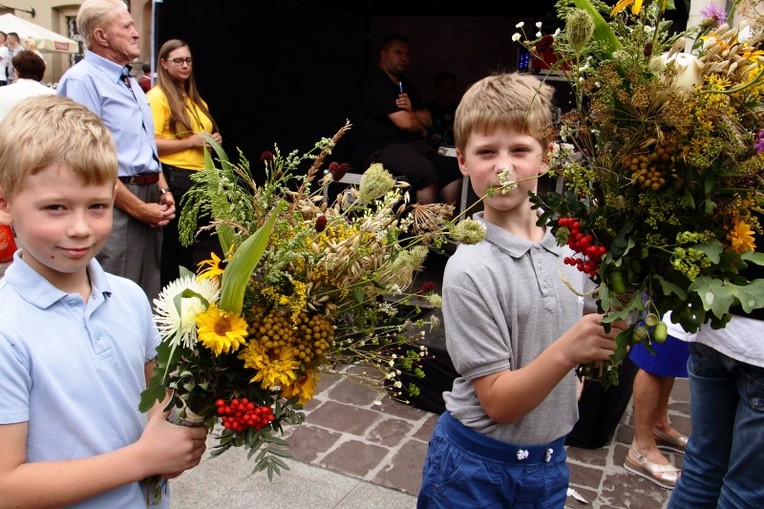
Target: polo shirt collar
x=38 y=291
x=514 y=246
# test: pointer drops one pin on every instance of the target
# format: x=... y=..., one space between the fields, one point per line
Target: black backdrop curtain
x=269 y=71
x=286 y=72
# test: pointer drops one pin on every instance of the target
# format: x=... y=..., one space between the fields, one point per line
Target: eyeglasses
x=180 y=61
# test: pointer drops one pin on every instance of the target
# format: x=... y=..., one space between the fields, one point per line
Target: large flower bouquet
x=661 y=163
x=306 y=287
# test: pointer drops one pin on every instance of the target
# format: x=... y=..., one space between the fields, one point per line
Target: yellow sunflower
x=221 y=331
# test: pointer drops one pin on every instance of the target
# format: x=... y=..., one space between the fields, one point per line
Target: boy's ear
x=461 y=161
x=5 y=213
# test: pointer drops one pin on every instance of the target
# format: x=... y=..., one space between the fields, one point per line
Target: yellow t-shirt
x=191 y=159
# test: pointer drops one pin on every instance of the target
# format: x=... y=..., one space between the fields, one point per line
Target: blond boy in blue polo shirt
x=76 y=343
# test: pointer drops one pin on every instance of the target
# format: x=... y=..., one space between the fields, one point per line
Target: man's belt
x=141 y=179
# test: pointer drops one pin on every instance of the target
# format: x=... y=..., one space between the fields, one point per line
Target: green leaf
x=280 y=452
x=717 y=296
x=358 y=295
x=670 y=288
x=750 y=296
x=153 y=393
x=239 y=269
x=753 y=257
x=156 y=389
x=622 y=341
x=280 y=463
x=713 y=249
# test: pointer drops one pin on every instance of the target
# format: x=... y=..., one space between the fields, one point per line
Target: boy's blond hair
x=51 y=130
x=511 y=101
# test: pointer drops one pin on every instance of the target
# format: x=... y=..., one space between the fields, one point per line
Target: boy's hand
x=172 y=449
x=587 y=340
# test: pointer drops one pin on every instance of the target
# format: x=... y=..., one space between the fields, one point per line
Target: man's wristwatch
x=164 y=190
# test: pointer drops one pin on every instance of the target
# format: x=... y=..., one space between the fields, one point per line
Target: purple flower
x=715 y=13
x=759 y=145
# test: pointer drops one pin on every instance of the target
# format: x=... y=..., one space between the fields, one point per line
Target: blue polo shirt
x=97 y=83
x=75 y=370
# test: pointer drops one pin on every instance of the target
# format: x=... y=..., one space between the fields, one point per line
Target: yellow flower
x=221 y=331
x=304 y=388
x=213 y=269
x=271 y=373
x=636 y=6
x=741 y=238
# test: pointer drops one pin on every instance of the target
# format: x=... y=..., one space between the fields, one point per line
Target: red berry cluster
x=240 y=414
x=582 y=243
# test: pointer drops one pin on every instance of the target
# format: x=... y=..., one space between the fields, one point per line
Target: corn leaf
x=239 y=269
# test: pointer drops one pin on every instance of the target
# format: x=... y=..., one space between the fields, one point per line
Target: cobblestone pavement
x=349 y=431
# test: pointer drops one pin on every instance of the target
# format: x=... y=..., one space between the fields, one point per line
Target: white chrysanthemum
x=179 y=325
x=516 y=37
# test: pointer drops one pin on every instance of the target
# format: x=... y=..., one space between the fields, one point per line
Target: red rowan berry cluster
x=240 y=414
x=584 y=244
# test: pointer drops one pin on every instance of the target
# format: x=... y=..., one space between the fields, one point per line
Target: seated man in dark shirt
x=390 y=125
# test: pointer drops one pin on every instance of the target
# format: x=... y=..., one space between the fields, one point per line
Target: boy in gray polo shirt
x=514 y=330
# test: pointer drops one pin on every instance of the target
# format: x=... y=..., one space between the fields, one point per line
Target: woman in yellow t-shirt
x=180 y=115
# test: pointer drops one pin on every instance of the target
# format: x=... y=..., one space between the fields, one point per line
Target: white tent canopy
x=47 y=40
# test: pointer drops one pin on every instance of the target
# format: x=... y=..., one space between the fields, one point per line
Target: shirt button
x=72 y=303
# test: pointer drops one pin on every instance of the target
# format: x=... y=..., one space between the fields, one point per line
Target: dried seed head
x=579 y=27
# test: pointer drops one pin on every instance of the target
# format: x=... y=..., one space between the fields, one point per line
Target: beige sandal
x=664 y=476
x=668 y=442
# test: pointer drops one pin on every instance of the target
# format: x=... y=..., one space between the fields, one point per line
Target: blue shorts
x=466 y=469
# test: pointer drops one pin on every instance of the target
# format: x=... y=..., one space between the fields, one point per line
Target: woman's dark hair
x=29 y=65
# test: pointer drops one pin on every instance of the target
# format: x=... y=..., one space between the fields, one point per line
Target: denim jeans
x=724 y=461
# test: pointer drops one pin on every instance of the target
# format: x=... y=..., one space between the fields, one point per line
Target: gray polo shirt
x=504 y=302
